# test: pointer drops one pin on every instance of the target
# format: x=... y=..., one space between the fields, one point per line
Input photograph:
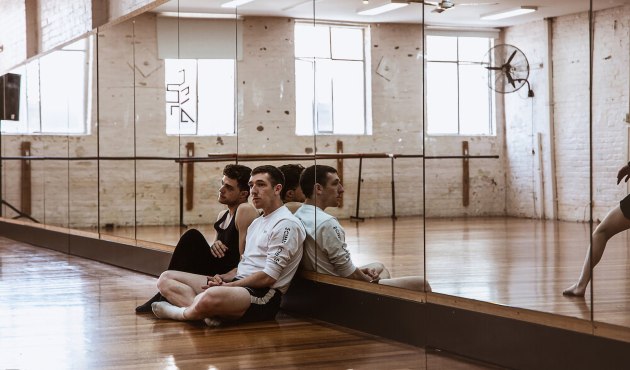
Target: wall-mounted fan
x=509 y=67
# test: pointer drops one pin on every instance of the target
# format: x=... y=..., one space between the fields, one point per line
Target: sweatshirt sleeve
x=332 y=239
x=284 y=245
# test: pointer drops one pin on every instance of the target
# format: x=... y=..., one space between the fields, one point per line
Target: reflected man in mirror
x=292 y=194
x=193 y=254
x=253 y=292
x=325 y=248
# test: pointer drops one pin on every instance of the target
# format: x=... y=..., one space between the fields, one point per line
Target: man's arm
x=245 y=214
x=331 y=238
x=255 y=280
x=217 y=248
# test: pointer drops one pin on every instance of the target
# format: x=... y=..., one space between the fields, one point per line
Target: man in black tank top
x=193 y=253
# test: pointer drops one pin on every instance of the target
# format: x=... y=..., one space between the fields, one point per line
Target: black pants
x=192 y=254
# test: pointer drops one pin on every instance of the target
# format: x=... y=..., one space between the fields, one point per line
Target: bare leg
x=613 y=223
x=180 y=288
x=407 y=282
x=380 y=269
x=216 y=302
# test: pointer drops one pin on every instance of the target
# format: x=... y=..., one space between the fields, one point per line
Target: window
x=332 y=80
x=459 y=101
x=55 y=93
x=199 y=96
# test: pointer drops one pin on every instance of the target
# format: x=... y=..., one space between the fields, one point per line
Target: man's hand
x=218 y=249
x=215 y=280
x=371 y=273
x=623 y=172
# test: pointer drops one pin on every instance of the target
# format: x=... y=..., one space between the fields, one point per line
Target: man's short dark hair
x=275 y=175
x=315 y=174
x=291 y=174
x=239 y=173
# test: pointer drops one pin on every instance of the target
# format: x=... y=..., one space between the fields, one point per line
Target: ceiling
x=346 y=10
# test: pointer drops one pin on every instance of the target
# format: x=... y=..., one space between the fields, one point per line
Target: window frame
x=196 y=121
x=492 y=36
x=34 y=125
x=313 y=127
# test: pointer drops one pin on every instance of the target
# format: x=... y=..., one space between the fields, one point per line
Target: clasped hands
x=211 y=281
x=372 y=274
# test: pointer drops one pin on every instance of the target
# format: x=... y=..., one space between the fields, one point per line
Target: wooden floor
x=61 y=312
x=514 y=262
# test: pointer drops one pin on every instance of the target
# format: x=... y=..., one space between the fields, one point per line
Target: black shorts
x=265 y=303
x=625 y=206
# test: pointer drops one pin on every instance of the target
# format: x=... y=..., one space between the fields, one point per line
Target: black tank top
x=229 y=237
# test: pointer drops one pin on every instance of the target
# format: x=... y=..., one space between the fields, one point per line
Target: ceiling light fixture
x=199 y=15
x=382 y=9
x=509 y=13
x=366 y=2
x=235 y=3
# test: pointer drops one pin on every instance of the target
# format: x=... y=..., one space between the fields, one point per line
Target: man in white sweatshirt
x=273 y=250
x=325 y=248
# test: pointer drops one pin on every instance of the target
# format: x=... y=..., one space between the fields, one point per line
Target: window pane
x=473 y=49
x=347 y=43
x=442 y=98
x=181 y=96
x=324 y=98
x=348 y=82
x=32 y=117
x=304 y=97
x=312 y=41
x=474 y=102
x=63 y=109
x=216 y=96
x=442 y=48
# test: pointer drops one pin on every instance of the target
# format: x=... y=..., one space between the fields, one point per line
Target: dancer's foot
x=146 y=306
x=165 y=310
x=574 y=291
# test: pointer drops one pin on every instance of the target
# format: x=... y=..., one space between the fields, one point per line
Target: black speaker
x=10 y=97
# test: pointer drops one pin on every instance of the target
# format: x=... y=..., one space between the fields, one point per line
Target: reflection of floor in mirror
x=510 y=261
x=63 y=312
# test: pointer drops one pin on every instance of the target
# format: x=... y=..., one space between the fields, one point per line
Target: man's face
x=229 y=192
x=332 y=191
x=262 y=191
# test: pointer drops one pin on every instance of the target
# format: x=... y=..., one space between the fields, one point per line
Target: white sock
x=165 y=310
x=213 y=323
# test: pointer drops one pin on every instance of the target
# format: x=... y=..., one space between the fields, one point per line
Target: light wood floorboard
x=63 y=312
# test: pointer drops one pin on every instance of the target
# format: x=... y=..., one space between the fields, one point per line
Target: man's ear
x=244 y=194
x=289 y=195
x=277 y=189
x=318 y=188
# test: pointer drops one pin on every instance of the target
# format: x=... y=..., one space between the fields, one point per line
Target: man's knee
x=191 y=236
x=164 y=280
x=208 y=302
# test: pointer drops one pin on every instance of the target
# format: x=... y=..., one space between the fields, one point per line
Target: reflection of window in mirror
x=55 y=93
x=332 y=72
x=458 y=99
x=200 y=96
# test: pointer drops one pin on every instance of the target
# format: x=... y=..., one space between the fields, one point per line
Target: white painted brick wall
x=507 y=186
x=12 y=33
x=63 y=20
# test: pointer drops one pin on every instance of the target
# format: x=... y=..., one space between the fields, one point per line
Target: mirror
x=495 y=199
